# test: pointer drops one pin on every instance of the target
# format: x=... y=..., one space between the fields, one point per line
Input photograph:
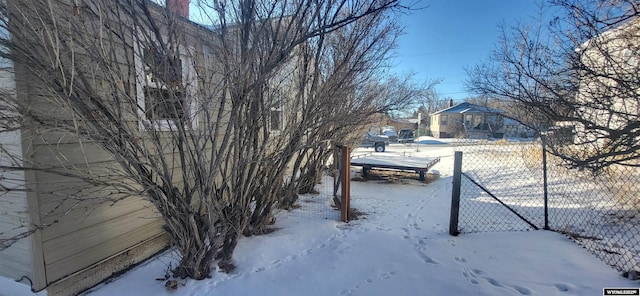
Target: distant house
x=466 y=120
x=515 y=129
x=404 y=123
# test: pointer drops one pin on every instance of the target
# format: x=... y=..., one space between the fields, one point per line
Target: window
x=443 y=119
x=165 y=88
x=477 y=121
x=276 y=114
x=164 y=94
x=275 y=118
x=468 y=120
x=474 y=121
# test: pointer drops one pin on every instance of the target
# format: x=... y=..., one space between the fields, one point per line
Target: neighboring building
x=609 y=93
x=411 y=124
x=466 y=120
x=404 y=123
x=515 y=129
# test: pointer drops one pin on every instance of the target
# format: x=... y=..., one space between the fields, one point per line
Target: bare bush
x=574 y=76
x=203 y=121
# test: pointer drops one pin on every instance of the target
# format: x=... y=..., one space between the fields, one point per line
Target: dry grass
x=501 y=142
x=355 y=214
x=623 y=183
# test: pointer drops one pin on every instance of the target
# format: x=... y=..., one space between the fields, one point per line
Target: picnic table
x=387 y=161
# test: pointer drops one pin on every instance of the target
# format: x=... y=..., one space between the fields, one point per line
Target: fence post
x=346 y=186
x=545 y=185
x=455 y=193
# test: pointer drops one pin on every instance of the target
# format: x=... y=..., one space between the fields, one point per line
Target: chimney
x=450 y=102
x=179 y=7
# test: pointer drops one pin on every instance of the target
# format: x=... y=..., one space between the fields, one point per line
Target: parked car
x=378 y=142
x=405 y=136
x=391 y=133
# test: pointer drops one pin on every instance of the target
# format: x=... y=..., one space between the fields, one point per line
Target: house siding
x=15 y=260
x=608 y=57
x=84 y=227
x=14 y=213
x=444 y=131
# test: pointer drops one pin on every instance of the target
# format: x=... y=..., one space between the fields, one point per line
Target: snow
x=400 y=246
x=391 y=160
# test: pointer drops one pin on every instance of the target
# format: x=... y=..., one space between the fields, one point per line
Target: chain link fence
x=513 y=186
x=328 y=197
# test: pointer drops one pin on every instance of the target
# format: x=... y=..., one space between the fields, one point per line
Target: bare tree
x=340 y=77
x=576 y=67
x=430 y=99
x=186 y=115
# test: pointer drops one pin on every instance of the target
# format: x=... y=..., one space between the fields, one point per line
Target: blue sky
x=448 y=35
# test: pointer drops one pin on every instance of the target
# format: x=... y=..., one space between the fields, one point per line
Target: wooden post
x=455 y=194
x=346 y=183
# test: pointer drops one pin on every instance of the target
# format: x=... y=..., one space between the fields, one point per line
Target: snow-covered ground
x=400 y=246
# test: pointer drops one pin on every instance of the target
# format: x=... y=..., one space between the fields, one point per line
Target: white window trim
x=281 y=127
x=280 y=106
x=191 y=86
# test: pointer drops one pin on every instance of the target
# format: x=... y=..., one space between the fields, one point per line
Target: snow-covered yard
x=401 y=246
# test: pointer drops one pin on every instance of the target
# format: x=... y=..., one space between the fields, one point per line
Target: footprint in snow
x=477 y=271
x=347 y=292
x=471 y=277
x=493 y=282
x=275 y=263
x=563 y=287
x=428 y=259
x=387 y=275
x=522 y=290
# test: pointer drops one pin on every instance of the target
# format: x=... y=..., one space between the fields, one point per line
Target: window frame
x=276 y=106
x=142 y=82
x=444 y=118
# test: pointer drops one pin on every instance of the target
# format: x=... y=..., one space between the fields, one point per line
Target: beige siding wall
x=15 y=261
x=82 y=224
x=85 y=224
x=435 y=125
x=440 y=130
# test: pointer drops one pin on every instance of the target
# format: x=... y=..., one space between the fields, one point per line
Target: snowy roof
x=468 y=108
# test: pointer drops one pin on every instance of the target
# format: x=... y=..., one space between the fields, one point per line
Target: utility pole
x=418 y=132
